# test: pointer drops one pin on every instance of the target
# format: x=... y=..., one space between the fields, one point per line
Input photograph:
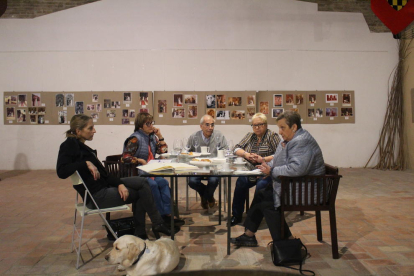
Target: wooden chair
x=312 y=193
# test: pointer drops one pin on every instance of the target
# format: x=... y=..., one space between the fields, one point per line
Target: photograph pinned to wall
x=346 y=99
x=294 y=110
x=62 y=116
x=276 y=112
x=116 y=104
x=143 y=97
x=299 y=99
x=7 y=100
x=90 y=107
x=14 y=100
x=132 y=113
x=23 y=100
x=33 y=119
x=178 y=100
x=223 y=115
x=41 y=110
x=95 y=98
x=264 y=107
x=78 y=107
x=221 y=101
x=36 y=99
x=211 y=101
x=60 y=100
x=190 y=99
x=111 y=113
x=238 y=115
x=32 y=110
x=143 y=110
x=125 y=113
x=192 y=112
x=178 y=113
x=21 y=115
x=311 y=112
x=290 y=99
x=250 y=112
x=277 y=100
x=211 y=112
x=70 y=99
x=331 y=98
x=312 y=98
x=347 y=111
x=319 y=113
x=235 y=101
x=251 y=100
x=127 y=98
x=98 y=107
x=162 y=106
x=331 y=112
x=107 y=103
x=41 y=119
x=125 y=121
x=95 y=116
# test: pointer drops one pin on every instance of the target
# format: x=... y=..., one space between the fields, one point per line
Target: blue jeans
x=243 y=184
x=161 y=191
x=205 y=191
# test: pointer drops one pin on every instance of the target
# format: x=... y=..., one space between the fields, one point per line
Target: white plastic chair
x=85 y=211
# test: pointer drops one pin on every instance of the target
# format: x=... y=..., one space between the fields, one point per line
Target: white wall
x=195 y=45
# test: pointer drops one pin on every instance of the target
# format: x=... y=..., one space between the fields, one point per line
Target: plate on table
x=201 y=162
x=166 y=154
x=204 y=153
x=254 y=172
x=239 y=163
x=226 y=171
x=218 y=160
x=191 y=154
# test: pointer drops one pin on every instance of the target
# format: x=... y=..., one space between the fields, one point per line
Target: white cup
x=205 y=149
x=239 y=160
x=220 y=154
x=225 y=166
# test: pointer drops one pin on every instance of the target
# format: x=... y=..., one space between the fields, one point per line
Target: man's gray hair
x=204 y=117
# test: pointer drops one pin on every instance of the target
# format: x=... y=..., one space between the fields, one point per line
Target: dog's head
x=125 y=250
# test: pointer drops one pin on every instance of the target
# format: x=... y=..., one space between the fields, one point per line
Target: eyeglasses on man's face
x=258 y=125
x=209 y=125
x=148 y=124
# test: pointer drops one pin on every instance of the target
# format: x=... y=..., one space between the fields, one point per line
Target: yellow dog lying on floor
x=140 y=257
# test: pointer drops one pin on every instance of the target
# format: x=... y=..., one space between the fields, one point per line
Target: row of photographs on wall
x=212 y=101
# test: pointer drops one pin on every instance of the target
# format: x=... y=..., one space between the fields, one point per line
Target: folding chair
x=85 y=211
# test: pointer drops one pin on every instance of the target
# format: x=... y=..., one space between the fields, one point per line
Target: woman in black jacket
x=107 y=190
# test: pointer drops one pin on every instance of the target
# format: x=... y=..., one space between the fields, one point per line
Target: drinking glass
x=186 y=146
x=196 y=143
x=218 y=143
x=177 y=146
x=229 y=150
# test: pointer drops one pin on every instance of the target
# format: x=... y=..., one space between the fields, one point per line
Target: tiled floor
x=375 y=214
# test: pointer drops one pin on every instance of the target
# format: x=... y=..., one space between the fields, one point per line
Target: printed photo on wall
x=99 y=107
x=143 y=96
x=33 y=119
x=95 y=116
x=294 y=110
x=221 y=101
x=250 y=112
x=125 y=113
x=178 y=100
x=143 y=110
x=290 y=100
x=127 y=98
x=346 y=99
x=62 y=116
x=211 y=112
x=111 y=113
x=14 y=100
x=116 y=104
x=190 y=99
x=36 y=99
x=32 y=110
x=311 y=112
x=107 y=103
x=192 y=111
x=277 y=100
x=60 y=100
x=235 y=101
x=276 y=112
x=23 y=100
x=251 y=100
x=178 y=113
x=211 y=101
x=319 y=113
x=95 y=98
x=162 y=106
x=41 y=119
x=7 y=100
x=70 y=99
x=331 y=98
x=132 y=113
x=41 y=110
x=78 y=107
x=331 y=112
x=21 y=115
x=223 y=115
x=90 y=107
x=238 y=114
x=346 y=111
x=125 y=121
x=299 y=99
x=312 y=98
x=264 y=107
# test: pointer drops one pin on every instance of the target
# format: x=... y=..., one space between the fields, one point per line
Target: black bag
x=122 y=226
x=289 y=252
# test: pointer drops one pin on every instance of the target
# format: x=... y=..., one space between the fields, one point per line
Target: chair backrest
x=310 y=192
x=111 y=163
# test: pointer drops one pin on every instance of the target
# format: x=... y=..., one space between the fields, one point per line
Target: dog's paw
x=121 y=268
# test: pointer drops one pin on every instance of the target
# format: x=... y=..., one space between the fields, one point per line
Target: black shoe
x=204 y=203
x=177 y=222
x=211 y=202
x=244 y=240
x=160 y=228
x=235 y=220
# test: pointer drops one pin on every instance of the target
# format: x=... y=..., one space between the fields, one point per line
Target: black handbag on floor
x=122 y=226
x=289 y=252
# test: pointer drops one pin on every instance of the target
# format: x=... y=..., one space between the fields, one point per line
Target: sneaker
x=235 y=220
x=212 y=202
x=244 y=240
x=204 y=203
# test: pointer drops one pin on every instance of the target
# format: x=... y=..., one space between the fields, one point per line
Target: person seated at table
x=206 y=137
x=256 y=147
x=140 y=148
x=297 y=155
x=107 y=190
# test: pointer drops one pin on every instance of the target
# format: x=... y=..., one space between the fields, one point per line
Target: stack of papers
x=157 y=167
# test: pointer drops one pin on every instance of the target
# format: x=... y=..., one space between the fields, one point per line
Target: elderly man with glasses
x=207 y=137
x=256 y=147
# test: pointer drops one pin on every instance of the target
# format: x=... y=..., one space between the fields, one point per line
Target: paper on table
x=159 y=161
x=155 y=167
x=254 y=172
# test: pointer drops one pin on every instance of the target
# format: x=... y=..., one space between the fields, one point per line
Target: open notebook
x=157 y=167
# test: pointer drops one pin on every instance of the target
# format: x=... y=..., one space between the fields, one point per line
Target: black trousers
x=263 y=206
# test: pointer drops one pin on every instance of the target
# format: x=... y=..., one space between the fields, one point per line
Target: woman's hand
x=141 y=161
x=157 y=132
x=257 y=158
x=264 y=168
x=94 y=170
x=123 y=192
